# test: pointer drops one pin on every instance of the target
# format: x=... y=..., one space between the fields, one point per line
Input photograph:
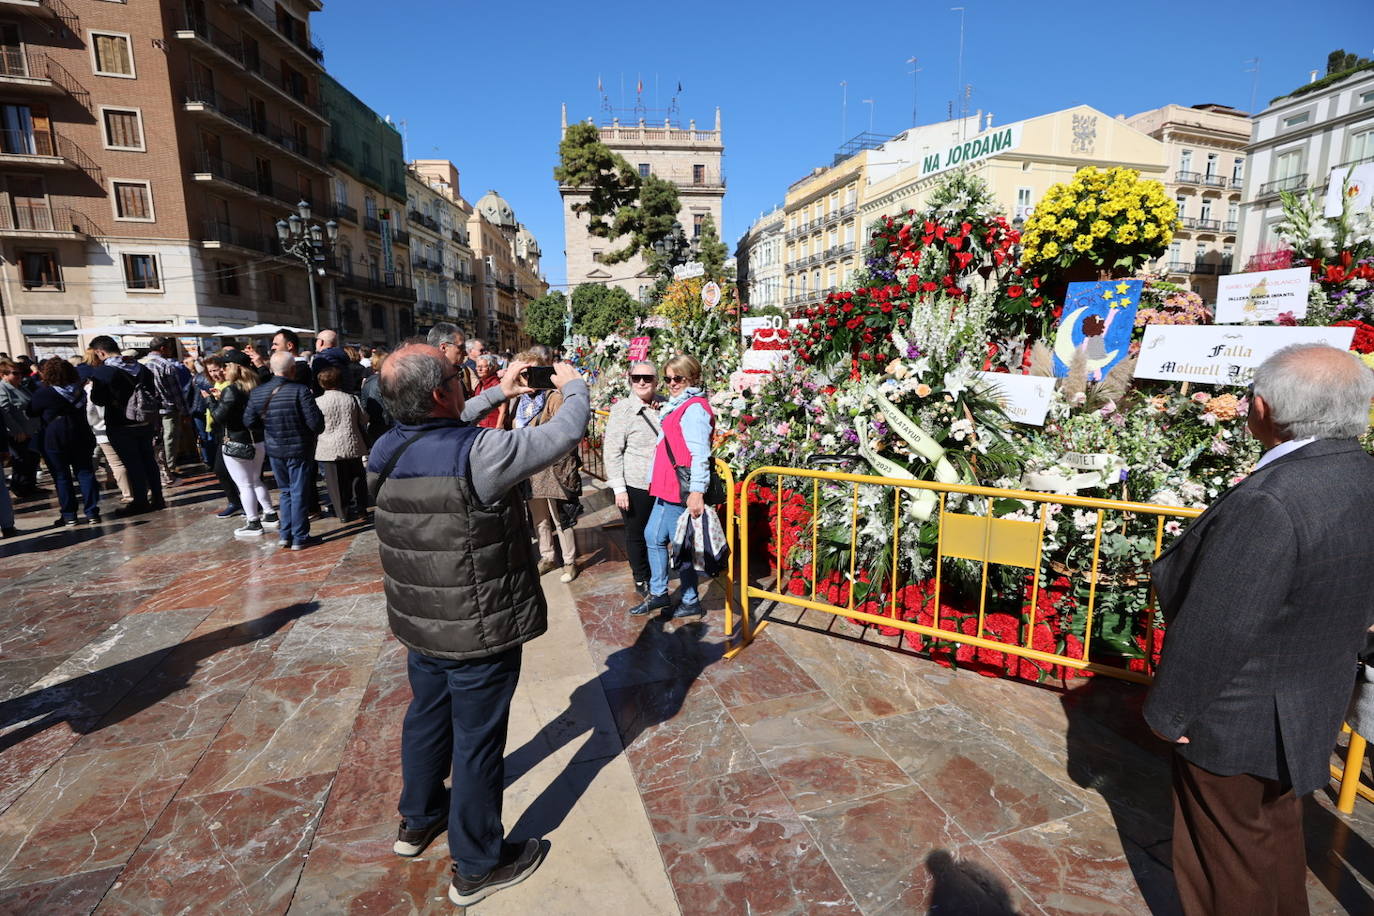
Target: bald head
x=283 y=363
x=409 y=380
x=326 y=339
x=1313 y=391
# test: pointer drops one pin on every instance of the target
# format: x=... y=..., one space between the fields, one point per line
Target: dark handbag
x=240 y=450
x=715 y=487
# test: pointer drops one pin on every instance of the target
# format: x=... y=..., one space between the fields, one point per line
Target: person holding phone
x=684 y=441
x=556 y=491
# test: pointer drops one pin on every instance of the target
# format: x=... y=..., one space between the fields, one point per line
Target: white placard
x=1262 y=296
x=1221 y=355
x=1025 y=398
x=764 y=360
x=748 y=326
x=689 y=270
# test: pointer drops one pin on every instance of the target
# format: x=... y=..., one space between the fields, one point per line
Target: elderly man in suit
x=1267 y=597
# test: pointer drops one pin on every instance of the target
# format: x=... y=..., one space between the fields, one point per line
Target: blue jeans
x=6 y=505
x=205 y=442
x=64 y=471
x=291 y=507
x=659 y=534
x=134 y=446
x=456 y=724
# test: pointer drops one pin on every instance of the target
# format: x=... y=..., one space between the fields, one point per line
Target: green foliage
x=1341 y=60
x=1325 y=81
x=544 y=319
x=711 y=251
x=619 y=202
x=599 y=310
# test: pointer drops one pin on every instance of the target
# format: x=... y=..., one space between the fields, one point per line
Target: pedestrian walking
x=66 y=440
x=125 y=389
x=556 y=491
x=20 y=426
x=243 y=450
x=1266 y=597
x=290 y=420
x=342 y=446
x=632 y=432
x=683 y=451
x=172 y=408
x=463 y=596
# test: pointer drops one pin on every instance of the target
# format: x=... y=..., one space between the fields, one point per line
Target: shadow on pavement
x=962 y=888
x=690 y=653
x=90 y=702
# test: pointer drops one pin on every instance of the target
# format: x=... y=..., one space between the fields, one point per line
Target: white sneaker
x=270 y=520
x=251 y=529
x=569 y=573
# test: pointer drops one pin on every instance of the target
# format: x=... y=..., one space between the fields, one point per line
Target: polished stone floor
x=194 y=724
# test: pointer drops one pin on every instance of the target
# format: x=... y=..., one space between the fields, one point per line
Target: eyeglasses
x=676 y=379
x=643 y=379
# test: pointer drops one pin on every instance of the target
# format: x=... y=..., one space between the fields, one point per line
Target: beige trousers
x=121 y=475
x=545 y=521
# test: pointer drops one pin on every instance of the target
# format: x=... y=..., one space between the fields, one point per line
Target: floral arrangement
x=1112 y=218
x=1166 y=303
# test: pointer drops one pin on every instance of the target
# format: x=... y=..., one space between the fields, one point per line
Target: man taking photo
x=463 y=594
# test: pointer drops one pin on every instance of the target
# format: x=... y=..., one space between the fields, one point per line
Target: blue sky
x=481 y=83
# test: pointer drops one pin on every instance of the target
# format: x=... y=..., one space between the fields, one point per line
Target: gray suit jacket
x=1267 y=596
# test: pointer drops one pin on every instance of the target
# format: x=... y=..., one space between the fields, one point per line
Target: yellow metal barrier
x=983 y=539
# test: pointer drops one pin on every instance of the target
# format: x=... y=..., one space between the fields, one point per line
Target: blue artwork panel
x=1098 y=320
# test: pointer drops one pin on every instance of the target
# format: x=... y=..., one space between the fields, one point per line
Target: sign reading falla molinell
x=982 y=146
x=1222 y=355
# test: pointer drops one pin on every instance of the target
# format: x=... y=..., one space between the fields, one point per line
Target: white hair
x=1315 y=391
x=283 y=363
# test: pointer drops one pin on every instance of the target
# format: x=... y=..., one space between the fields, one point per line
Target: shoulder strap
x=390 y=465
x=275 y=392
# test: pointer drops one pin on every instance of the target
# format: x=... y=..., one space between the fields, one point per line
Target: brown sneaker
x=518 y=862
x=413 y=842
x=547 y=566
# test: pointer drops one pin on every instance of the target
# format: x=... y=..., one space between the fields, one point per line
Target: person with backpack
x=291 y=421
x=66 y=440
x=172 y=409
x=126 y=390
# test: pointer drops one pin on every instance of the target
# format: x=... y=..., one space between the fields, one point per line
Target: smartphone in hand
x=539 y=377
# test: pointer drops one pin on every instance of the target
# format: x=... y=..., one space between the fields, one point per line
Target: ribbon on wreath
x=921 y=442
x=1097 y=469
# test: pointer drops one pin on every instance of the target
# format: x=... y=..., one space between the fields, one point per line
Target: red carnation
x=1015 y=291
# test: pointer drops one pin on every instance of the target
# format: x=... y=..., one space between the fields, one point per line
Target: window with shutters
x=141 y=273
x=132 y=199
x=276 y=287
x=227 y=278
x=123 y=128
x=39 y=270
x=112 y=55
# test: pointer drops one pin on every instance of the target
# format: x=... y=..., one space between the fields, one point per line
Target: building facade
x=506 y=256
x=688 y=157
x=821 y=239
x=146 y=154
x=1205 y=145
x=372 y=290
x=1294 y=145
x=759 y=261
x=440 y=253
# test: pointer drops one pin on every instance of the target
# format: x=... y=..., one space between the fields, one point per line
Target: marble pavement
x=190 y=724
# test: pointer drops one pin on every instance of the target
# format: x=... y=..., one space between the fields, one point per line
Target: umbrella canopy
x=149 y=330
x=266 y=329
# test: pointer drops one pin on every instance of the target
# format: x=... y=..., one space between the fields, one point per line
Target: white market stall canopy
x=265 y=329
x=179 y=330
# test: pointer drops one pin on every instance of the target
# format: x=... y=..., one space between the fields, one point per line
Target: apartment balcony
x=224 y=175
x=1213 y=181
x=463 y=276
x=54 y=9
x=398 y=286
x=31 y=70
x=1202 y=267
x=1230 y=227
x=1203 y=225
x=1291 y=183
x=214 y=105
x=201 y=34
x=400 y=237
x=459 y=238
x=39 y=221
x=216 y=234
x=45 y=149
x=1185 y=177
x=835 y=216
x=431 y=307
x=372 y=173
x=426 y=265
x=343 y=212
x=425 y=220
x=372 y=224
x=296 y=42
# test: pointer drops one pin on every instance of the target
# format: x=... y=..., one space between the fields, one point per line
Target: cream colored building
x=1206 y=149
x=759 y=260
x=506 y=255
x=822 y=240
x=688 y=157
x=440 y=251
x=1019 y=161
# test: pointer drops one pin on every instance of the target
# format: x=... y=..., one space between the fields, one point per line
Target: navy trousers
x=456 y=724
x=67 y=474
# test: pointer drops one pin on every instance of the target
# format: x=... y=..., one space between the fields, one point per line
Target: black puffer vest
x=460 y=576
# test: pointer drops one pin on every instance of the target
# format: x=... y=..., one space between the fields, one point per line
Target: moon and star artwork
x=1098 y=320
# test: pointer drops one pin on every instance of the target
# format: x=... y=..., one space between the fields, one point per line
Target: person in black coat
x=66 y=440
x=1267 y=601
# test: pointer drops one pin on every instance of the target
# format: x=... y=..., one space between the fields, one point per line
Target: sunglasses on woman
x=675 y=379
x=643 y=379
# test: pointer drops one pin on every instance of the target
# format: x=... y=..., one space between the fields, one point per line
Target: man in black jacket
x=463 y=595
x=1267 y=597
x=118 y=382
x=291 y=420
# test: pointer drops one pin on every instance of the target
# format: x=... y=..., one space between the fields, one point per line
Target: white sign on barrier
x=1262 y=296
x=1222 y=355
x=1025 y=398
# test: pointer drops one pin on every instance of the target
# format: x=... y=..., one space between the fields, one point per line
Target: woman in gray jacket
x=632 y=431
x=342 y=445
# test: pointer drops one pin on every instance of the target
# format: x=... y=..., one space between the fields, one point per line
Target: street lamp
x=307 y=242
